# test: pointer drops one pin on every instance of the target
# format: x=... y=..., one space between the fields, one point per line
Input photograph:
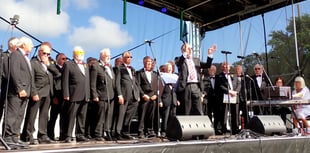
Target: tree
x=282 y=55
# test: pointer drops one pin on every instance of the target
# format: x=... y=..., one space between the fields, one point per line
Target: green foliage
x=282 y=45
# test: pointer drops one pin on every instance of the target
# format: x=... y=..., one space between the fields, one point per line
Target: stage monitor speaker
x=189 y=127
x=267 y=124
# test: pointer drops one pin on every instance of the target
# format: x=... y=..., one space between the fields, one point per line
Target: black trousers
x=125 y=114
x=33 y=106
x=146 y=111
x=76 y=112
x=166 y=114
x=56 y=109
x=15 y=115
x=192 y=101
x=220 y=118
x=104 y=116
x=234 y=111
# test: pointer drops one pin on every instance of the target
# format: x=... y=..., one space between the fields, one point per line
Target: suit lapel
x=77 y=67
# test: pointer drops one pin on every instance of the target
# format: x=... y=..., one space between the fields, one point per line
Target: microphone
x=241 y=57
x=148 y=41
x=225 y=52
x=249 y=77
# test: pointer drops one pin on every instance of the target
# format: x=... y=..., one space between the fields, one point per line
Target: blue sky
x=98 y=24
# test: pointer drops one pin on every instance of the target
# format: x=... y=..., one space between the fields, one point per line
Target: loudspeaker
x=266 y=124
x=189 y=127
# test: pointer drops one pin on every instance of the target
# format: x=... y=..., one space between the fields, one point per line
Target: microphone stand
x=157 y=92
x=269 y=81
x=245 y=91
x=228 y=95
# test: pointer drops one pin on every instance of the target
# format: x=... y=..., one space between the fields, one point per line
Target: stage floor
x=215 y=144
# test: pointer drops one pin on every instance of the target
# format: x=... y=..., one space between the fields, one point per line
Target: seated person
x=279 y=110
x=302 y=111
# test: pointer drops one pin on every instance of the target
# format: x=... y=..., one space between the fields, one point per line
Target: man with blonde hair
x=76 y=92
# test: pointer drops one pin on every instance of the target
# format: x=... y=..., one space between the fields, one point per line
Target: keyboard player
x=301 y=92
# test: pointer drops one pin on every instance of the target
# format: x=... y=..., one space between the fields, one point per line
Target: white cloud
x=85 y=4
x=37 y=17
x=101 y=33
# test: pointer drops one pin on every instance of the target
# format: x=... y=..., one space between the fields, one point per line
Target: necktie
x=79 y=62
x=191 y=68
x=129 y=67
x=108 y=65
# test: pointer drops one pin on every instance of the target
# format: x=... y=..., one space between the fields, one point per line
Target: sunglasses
x=46 y=53
x=128 y=57
x=257 y=68
x=64 y=58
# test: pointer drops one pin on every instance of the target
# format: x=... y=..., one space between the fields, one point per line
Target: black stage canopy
x=213 y=14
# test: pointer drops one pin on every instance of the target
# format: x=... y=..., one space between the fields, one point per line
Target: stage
x=214 y=144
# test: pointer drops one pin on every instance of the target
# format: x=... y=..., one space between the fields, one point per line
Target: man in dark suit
x=128 y=95
x=168 y=103
x=189 y=85
x=209 y=90
x=57 y=101
x=224 y=84
x=103 y=94
x=148 y=82
x=12 y=46
x=258 y=85
x=234 y=107
x=19 y=89
x=76 y=92
x=41 y=92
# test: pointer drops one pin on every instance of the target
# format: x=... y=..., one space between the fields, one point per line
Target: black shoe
x=108 y=136
x=82 y=139
x=32 y=142
x=127 y=136
x=151 y=134
x=45 y=140
x=141 y=135
x=68 y=140
x=163 y=135
x=98 y=139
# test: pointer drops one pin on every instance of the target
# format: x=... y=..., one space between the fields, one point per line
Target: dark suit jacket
x=258 y=92
x=5 y=71
x=101 y=85
x=146 y=87
x=183 y=71
x=168 y=96
x=126 y=86
x=43 y=79
x=222 y=83
x=57 y=75
x=20 y=74
x=74 y=83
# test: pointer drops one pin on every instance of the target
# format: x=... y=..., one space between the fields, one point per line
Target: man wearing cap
x=76 y=92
